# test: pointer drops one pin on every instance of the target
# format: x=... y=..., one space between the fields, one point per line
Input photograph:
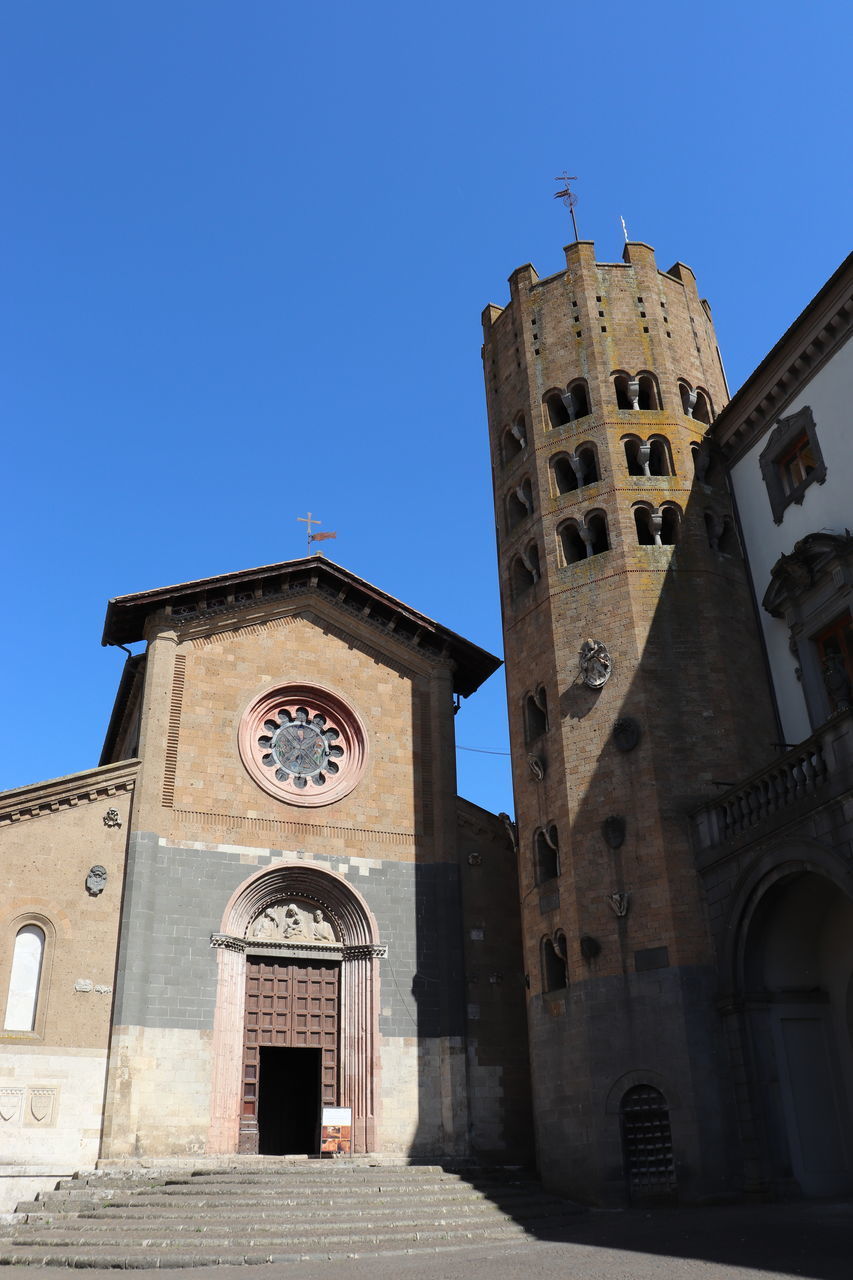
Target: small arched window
x=647 y=1142
x=578 y=393
x=572 y=545
x=721 y=535
x=525 y=570
x=25 y=979
x=702 y=411
x=535 y=715
x=589 y=463
x=514 y=441
x=624 y=398
x=553 y=964
x=660 y=458
x=636 y=456
x=687 y=398
x=596 y=527
x=643 y=519
x=546 y=854
x=566 y=479
x=649 y=396
x=670 y=523
x=519 y=504
x=556 y=413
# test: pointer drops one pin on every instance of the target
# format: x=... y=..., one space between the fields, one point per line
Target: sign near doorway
x=336 y=1132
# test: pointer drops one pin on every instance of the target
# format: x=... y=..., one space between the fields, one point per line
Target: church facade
x=268 y=901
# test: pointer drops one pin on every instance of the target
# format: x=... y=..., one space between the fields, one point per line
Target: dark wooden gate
x=290 y=1004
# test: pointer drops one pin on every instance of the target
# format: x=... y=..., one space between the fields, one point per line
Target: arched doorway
x=295 y=1027
x=796 y=970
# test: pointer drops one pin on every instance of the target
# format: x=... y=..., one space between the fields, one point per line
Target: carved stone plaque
x=613 y=829
x=595 y=664
x=626 y=733
x=291 y=922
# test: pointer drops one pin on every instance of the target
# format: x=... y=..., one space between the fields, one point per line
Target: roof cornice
x=817 y=333
x=39 y=799
x=128 y=617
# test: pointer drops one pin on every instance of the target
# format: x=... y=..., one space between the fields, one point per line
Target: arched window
x=670 y=523
x=636 y=455
x=535 y=715
x=572 y=545
x=525 y=571
x=596 y=527
x=546 y=853
x=624 y=398
x=578 y=393
x=688 y=398
x=702 y=410
x=513 y=444
x=566 y=479
x=553 y=964
x=649 y=395
x=660 y=458
x=519 y=504
x=643 y=518
x=27 y=961
x=647 y=1142
x=589 y=463
x=721 y=535
x=556 y=413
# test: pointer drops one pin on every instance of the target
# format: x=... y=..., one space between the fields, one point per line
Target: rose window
x=301 y=748
x=303 y=745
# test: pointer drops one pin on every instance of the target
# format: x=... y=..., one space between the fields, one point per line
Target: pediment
x=311 y=587
x=797 y=573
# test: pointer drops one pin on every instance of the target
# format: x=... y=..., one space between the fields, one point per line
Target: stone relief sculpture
x=626 y=733
x=290 y=922
x=619 y=903
x=96 y=880
x=595 y=664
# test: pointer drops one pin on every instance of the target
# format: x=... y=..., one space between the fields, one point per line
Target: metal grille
x=647 y=1142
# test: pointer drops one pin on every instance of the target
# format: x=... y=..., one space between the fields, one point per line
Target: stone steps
x=245 y=1215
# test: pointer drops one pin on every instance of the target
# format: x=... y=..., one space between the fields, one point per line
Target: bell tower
x=636 y=685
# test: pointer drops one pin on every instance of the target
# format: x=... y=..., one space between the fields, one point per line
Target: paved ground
x=761 y=1242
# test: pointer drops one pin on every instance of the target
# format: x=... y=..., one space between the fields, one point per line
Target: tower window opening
x=566 y=478
x=624 y=399
x=637 y=456
x=556 y=411
x=670 y=521
x=647 y=1142
x=572 y=545
x=589 y=464
x=645 y=532
x=721 y=535
x=702 y=410
x=596 y=528
x=547 y=857
x=514 y=439
x=660 y=461
x=519 y=504
x=554 y=967
x=535 y=715
x=579 y=395
x=525 y=571
x=648 y=393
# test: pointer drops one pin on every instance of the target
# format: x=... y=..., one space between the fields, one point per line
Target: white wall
x=829 y=506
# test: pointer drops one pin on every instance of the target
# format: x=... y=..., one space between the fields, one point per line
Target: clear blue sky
x=246 y=247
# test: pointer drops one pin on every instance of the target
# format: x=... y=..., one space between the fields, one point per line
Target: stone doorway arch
x=794 y=978
x=356 y=948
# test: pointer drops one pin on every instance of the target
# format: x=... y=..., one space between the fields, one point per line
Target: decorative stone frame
x=338 y=714
x=359 y=952
x=11 y=927
x=784 y=434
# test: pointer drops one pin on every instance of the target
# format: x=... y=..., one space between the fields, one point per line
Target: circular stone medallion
x=303 y=745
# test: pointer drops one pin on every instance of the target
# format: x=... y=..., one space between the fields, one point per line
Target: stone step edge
x=158 y=1261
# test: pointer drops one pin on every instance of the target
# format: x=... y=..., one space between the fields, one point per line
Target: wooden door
x=290 y=1004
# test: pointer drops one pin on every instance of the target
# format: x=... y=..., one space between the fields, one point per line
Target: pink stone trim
x=358 y=1027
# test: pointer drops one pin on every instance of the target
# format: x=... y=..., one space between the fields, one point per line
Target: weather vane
x=310 y=520
x=568 y=198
